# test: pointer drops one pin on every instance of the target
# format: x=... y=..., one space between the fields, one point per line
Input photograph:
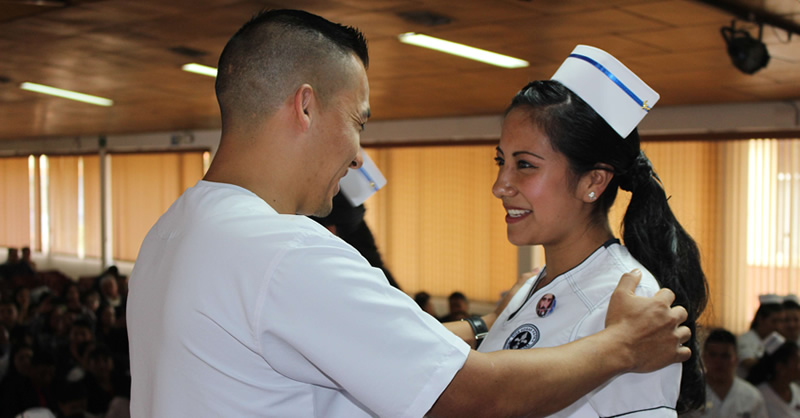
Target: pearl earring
x=592 y=195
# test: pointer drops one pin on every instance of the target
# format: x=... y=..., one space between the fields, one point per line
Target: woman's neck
x=563 y=256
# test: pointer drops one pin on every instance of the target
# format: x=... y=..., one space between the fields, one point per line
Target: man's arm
x=641 y=335
x=462 y=328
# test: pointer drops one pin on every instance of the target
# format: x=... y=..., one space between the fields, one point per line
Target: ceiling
x=130 y=51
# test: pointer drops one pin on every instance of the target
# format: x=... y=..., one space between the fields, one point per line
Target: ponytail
x=656 y=239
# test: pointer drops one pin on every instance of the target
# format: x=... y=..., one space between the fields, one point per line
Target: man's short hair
x=276 y=52
x=721 y=336
x=457 y=296
x=422 y=298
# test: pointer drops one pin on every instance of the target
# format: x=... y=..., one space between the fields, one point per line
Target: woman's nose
x=502 y=187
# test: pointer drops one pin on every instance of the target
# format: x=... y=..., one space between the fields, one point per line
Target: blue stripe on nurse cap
x=620 y=97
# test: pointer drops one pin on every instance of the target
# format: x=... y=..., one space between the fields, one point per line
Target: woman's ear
x=594 y=182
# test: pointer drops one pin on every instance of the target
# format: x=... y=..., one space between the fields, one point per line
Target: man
x=9 y=267
x=423 y=299
x=726 y=394
x=458 y=306
x=295 y=322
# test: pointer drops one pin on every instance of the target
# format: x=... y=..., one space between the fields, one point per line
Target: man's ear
x=594 y=182
x=304 y=99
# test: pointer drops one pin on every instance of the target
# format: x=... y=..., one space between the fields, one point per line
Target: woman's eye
x=524 y=164
x=499 y=161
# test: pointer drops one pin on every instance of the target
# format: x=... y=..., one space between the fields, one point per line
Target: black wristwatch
x=478 y=327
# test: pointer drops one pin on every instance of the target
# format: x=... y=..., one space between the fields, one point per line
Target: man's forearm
x=535 y=382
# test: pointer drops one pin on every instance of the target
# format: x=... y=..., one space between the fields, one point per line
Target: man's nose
x=357 y=162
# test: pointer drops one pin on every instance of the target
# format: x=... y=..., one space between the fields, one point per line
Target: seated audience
x=110 y=294
x=27 y=262
x=50 y=361
x=71 y=357
x=75 y=308
x=768 y=319
x=91 y=299
x=114 y=336
x=775 y=374
x=726 y=394
x=28 y=384
x=9 y=315
x=53 y=330
x=71 y=399
x=5 y=351
x=7 y=269
x=22 y=297
x=104 y=381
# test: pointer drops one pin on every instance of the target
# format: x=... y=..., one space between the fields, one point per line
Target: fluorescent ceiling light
x=67 y=94
x=200 y=69
x=462 y=50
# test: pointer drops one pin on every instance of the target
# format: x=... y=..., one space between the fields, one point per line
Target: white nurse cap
x=770 y=298
x=359 y=184
x=620 y=97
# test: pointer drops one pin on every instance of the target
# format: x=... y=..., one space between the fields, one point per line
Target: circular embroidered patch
x=526 y=336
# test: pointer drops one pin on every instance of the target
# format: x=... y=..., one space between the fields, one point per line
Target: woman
x=775 y=375
x=769 y=318
x=561 y=161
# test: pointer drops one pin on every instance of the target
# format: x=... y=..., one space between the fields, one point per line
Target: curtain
x=73 y=197
x=143 y=187
x=91 y=205
x=14 y=202
x=770 y=259
x=63 y=200
x=437 y=224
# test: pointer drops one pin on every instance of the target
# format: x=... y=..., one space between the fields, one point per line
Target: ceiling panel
x=124 y=50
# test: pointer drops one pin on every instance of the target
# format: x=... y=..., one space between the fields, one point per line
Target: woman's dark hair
x=650 y=231
x=765 y=369
x=765 y=310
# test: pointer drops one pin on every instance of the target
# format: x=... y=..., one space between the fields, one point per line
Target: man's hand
x=648 y=327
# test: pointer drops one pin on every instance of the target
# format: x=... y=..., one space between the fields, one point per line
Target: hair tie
x=639 y=172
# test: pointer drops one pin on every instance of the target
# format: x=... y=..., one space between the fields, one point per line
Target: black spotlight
x=747 y=54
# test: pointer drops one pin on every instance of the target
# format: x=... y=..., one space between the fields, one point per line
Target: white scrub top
x=574 y=305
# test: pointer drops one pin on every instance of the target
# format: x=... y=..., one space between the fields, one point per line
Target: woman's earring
x=592 y=196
